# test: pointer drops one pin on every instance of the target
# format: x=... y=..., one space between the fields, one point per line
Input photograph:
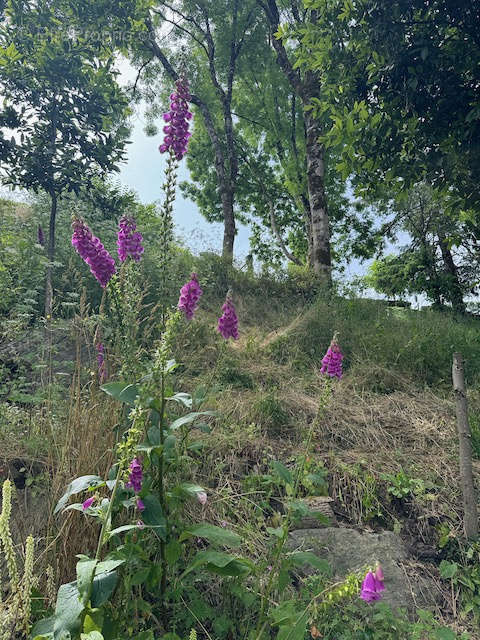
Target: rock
x=348 y=550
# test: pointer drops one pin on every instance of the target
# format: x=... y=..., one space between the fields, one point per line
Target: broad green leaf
x=448 y=569
x=76 y=486
x=301 y=558
x=173 y=551
x=107 y=565
x=43 y=629
x=215 y=535
x=122 y=391
x=220 y=563
x=139 y=576
x=68 y=610
x=153 y=515
x=85 y=572
x=182 y=398
x=103 y=587
x=282 y=472
x=93 y=635
x=189 y=418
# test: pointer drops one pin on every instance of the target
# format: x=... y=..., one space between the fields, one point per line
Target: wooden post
x=470 y=518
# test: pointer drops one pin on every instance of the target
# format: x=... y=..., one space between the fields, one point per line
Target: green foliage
x=271 y=414
x=415 y=344
x=462 y=571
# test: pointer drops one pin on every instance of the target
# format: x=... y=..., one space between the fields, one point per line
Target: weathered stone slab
x=349 y=550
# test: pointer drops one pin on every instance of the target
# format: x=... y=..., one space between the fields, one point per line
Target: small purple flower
x=224 y=524
x=177 y=121
x=332 y=360
x=135 y=477
x=40 y=236
x=189 y=296
x=372 y=586
x=102 y=372
x=140 y=524
x=129 y=241
x=228 y=322
x=140 y=504
x=90 y=249
x=88 y=503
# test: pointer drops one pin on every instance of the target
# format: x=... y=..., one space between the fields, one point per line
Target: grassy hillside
x=383 y=443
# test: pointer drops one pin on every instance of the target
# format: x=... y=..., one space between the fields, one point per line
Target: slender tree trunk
x=455 y=289
x=320 y=228
x=470 y=517
x=229 y=228
x=51 y=256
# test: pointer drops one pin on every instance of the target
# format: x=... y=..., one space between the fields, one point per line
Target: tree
x=208 y=47
x=63 y=103
x=440 y=257
x=402 y=84
x=307 y=87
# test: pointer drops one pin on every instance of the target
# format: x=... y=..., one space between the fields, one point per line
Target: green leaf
x=153 y=515
x=282 y=471
x=85 y=572
x=182 y=398
x=301 y=558
x=107 y=565
x=444 y=634
x=220 y=563
x=448 y=569
x=125 y=527
x=214 y=534
x=43 y=629
x=139 y=576
x=93 y=635
x=68 y=610
x=189 y=418
x=103 y=587
x=76 y=486
x=122 y=391
x=173 y=551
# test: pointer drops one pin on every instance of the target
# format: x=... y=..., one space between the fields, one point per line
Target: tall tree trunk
x=455 y=293
x=229 y=228
x=320 y=228
x=51 y=256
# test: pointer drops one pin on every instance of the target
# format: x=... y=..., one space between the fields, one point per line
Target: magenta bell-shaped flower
x=372 y=586
x=135 y=478
x=176 y=132
x=189 y=296
x=90 y=249
x=129 y=241
x=228 y=322
x=332 y=360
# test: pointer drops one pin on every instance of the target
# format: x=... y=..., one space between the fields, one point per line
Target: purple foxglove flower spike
x=176 y=131
x=135 y=477
x=88 y=503
x=332 y=360
x=90 y=249
x=129 y=241
x=140 y=505
x=40 y=236
x=189 y=296
x=228 y=322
